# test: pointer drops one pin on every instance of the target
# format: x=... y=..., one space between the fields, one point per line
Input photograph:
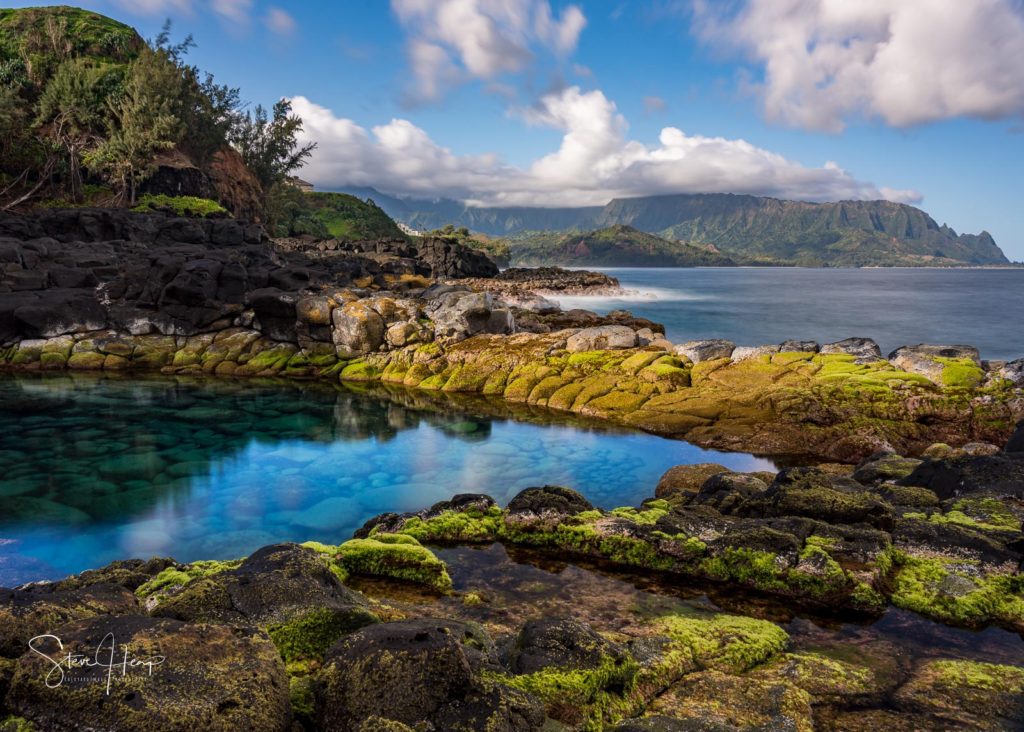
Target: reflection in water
x=96 y=468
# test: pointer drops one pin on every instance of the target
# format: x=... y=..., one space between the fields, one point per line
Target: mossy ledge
x=822 y=406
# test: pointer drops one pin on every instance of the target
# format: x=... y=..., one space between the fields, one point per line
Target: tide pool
x=94 y=468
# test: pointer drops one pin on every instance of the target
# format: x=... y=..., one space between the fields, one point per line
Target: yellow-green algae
x=956 y=591
x=181 y=575
x=398 y=556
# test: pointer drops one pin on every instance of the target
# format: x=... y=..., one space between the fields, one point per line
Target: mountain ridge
x=757 y=228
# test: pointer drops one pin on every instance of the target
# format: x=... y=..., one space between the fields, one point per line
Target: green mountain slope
x=845 y=233
x=748 y=228
x=331 y=215
x=614 y=246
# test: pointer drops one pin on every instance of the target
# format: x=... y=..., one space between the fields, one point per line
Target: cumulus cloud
x=595 y=161
x=233 y=11
x=907 y=62
x=456 y=40
x=280 y=22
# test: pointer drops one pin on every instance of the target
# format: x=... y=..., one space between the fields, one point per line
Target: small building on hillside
x=408 y=230
x=303 y=185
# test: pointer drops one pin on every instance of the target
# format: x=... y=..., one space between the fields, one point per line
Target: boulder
x=884 y=466
x=422 y=673
x=924 y=359
x=864 y=349
x=602 y=338
x=725 y=491
x=794 y=346
x=1001 y=474
x=1012 y=372
x=164 y=676
x=562 y=643
x=686 y=478
x=358 y=329
x=288 y=589
x=551 y=499
x=745 y=353
x=457 y=315
x=706 y=350
x=26 y=613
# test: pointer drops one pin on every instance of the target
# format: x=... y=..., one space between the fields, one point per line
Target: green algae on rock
x=399 y=556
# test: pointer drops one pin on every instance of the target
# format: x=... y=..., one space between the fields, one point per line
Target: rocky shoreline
x=324 y=648
x=918 y=513
x=119 y=291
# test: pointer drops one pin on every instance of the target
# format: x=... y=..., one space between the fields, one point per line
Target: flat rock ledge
x=282 y=639
x=116 y=291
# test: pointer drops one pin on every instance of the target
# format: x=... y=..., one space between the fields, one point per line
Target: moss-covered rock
x=178 y=676
x=398 y=556
x=420 y=672
x=966 y=694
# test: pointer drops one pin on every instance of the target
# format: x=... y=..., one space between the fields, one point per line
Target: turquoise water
x=896 y=307
x=96 y=469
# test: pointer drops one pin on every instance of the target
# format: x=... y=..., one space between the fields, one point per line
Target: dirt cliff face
x=237 y=188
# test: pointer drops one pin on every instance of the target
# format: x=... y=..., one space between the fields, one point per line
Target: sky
x=545 y=102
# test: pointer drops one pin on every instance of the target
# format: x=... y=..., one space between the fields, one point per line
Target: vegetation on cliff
x=327 y=216
x=751 y=228
x=85 y=101
x=615 y=246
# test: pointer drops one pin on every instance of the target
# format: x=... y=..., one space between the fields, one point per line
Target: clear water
x=95 y=469
x=896 y=307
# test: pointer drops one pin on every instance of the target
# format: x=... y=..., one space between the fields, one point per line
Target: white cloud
x=905 y=61
x=454 y=40
x=280 y=22
x=655 y=105
x=596 y=161
x=233 y=11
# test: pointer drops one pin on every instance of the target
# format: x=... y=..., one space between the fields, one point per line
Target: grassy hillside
x=32 y=39
x=615 y=246
x=330 y=215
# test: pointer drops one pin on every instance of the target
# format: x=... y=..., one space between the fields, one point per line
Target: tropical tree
x=71 y=111
x=269 y=145
x=141 y=123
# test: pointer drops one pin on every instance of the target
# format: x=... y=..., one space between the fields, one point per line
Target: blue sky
x=548 y=102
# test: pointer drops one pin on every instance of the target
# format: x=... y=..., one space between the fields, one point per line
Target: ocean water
x=896 y=307
x=94 y=469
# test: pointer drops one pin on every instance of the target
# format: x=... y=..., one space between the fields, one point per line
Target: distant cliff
x=748 y=228
x=614 y=246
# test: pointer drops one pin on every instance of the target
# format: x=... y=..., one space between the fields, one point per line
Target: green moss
x=384 y=556
x=16 y=724
x=468 y=526
x=649 y=517
x=988 y=513
x=308 y=636
x=731 y=643
x=328 y=552
x=978 y=675
x=473 y=599
x=961 y=372
x=181 y=205
x=183 y=574
x=598 y=691
x=954 y=591
x=300 y=692
x=750 y=567
x=360 y=371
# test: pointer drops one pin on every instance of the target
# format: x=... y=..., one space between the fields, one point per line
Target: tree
x=270 y=146
x=70 y=112
x=142 y=123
